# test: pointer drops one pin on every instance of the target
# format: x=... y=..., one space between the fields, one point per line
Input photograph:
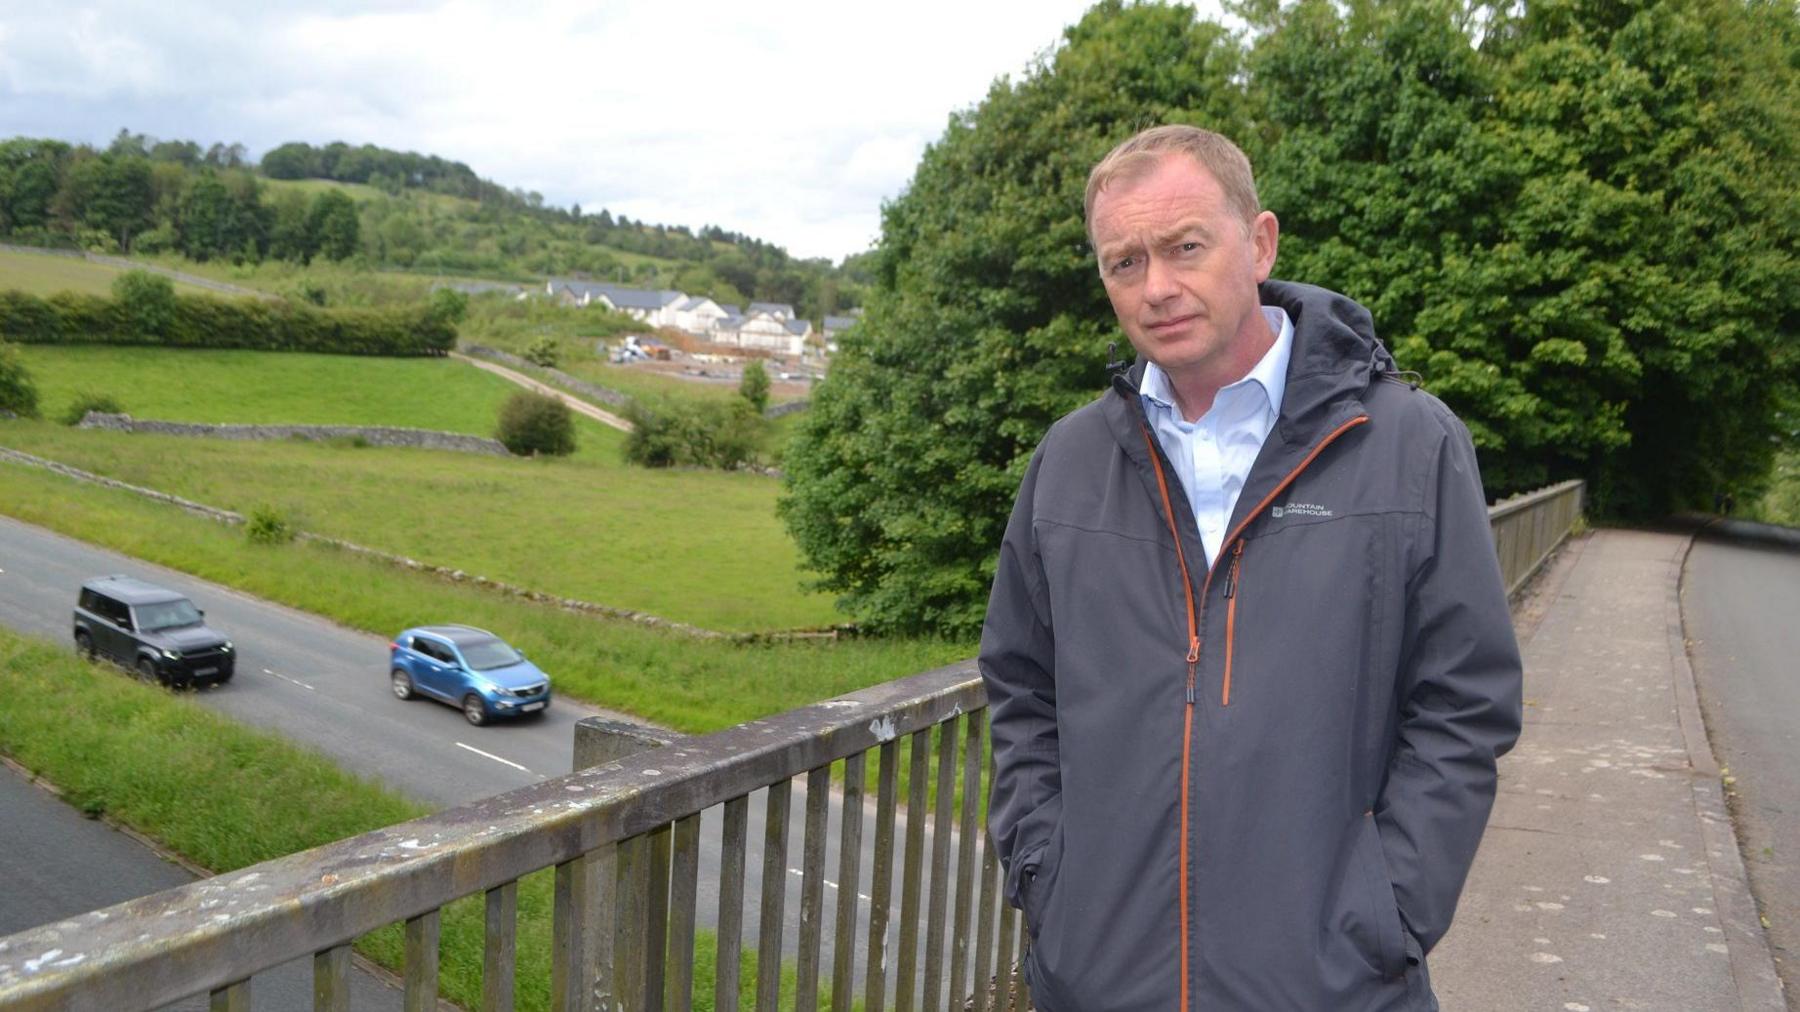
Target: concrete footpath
x=1610 y=876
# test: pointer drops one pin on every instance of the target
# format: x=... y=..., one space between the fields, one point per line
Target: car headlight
x=226 y=648
x=173 y=655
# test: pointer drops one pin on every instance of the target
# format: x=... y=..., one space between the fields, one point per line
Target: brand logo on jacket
x=1300 y=509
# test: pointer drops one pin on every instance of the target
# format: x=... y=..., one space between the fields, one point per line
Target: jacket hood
x=1336 y=356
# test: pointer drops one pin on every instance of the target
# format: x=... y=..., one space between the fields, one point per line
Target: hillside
x=375 y=209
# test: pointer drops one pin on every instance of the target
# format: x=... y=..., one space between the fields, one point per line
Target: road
x=48 y=853
x=325 y=686
x=1740 y=601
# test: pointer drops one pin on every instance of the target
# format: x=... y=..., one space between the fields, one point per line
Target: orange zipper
x=1193 y=629
x=1231 y=580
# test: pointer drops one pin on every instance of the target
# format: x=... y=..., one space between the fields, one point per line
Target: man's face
x=1181 y=268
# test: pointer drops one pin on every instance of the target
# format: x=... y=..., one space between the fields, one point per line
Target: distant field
x=253 y=387
x=46 y=274
x=695 y=546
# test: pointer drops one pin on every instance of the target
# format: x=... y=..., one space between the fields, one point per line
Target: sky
x=787 y=121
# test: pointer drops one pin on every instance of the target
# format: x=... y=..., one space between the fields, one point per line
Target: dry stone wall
x=425 y=439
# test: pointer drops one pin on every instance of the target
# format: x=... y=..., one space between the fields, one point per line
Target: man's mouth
x=1164 y=326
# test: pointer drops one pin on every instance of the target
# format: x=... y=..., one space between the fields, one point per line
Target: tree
x=110 y=194
x=987 y=320
x=290 y=229
x=148 y=301
x=18 y=394
x=1572 y=231
x=754 y=386
x=333 y=228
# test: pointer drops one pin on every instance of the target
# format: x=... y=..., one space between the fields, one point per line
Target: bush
x=268 y=526
x=139 y=314
x=712 y=433
x=543 y=352
x=17 y=393
x=146 y=302
x=86 y=402
x=754 y=387
x=533 y=423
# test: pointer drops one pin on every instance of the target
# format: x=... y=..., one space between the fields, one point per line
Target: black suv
x=153 y=630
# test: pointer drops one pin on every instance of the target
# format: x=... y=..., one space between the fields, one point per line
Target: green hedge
x=199 y=321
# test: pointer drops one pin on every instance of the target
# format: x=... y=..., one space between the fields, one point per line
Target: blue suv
x=468 y=668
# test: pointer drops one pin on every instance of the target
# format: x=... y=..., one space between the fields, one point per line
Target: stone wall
x=425 y=439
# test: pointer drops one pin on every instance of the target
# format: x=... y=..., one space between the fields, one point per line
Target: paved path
x=575 y=404
x=1610 y=876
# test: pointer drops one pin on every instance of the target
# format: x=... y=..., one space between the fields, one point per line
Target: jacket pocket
x=1040 y=881
x=1377 y=931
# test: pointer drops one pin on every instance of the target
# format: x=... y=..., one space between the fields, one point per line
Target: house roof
x=839 y=322
x=621 y=296
x=773 y=309
x=800 y=327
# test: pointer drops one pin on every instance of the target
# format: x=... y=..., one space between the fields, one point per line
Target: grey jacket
x=1273 y=804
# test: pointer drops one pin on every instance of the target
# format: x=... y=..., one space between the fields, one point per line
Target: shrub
x=139 y=314
x=146 y=302
x=754 y=387
x=267 y=525
x=17 y=393
x=532 y=423
x=543 y=352
x=86 y=402
x=711 y=433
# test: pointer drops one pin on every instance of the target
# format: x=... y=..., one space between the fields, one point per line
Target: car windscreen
x=485 y=655
x=167 y=615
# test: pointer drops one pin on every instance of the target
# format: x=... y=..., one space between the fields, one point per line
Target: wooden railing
x=625 y=840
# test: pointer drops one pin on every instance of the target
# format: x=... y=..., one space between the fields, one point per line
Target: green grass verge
x=689 y=684
x=47 y=274
x=259 y=387
x=225 y=796
x=701 y=547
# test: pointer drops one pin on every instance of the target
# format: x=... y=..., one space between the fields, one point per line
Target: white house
x=697 y=314
x=779 y=310
x=763 y=330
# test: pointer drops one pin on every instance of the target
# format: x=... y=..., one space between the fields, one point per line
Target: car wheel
x=84 y=645
x=474 y=710
x=402 y=683
x=147 y=671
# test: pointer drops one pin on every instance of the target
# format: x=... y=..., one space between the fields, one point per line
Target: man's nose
x=1160 y=284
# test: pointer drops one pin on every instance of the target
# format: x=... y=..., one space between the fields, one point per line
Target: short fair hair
x=1215 y=153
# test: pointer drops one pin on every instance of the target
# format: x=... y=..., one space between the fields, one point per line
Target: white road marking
x=492 y=756
x=285 y=678
x=797 y=873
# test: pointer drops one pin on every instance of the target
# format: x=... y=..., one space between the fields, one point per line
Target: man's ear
x=1265 y=237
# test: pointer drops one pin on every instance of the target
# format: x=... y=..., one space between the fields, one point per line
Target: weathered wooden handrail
x=624 y=840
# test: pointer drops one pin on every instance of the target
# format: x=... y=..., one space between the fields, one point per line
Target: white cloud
x=790 y=122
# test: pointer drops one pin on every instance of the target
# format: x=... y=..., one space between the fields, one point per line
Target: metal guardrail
x=624 y=839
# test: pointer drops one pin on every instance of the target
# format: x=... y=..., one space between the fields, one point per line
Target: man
x=1248 y=654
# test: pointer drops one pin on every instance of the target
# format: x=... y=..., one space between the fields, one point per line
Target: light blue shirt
x=1212 y=456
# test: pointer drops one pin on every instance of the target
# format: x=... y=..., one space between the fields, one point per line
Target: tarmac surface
x=1610 y=876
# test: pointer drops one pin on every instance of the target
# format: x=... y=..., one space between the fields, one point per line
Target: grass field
x=225 y=796
x=269 y=387
x=46 y=274
x=689 y=684
x=694 y=546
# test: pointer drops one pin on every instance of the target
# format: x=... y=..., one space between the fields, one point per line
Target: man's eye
x=1124 y=264
x=1189 y=247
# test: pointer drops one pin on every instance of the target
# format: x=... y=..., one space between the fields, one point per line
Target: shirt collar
x=1269 y=373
